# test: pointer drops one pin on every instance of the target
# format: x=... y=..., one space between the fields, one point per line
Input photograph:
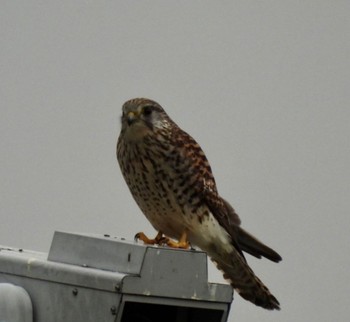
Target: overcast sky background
x=263 y=86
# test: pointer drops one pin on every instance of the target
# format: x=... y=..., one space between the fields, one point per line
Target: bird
x=172 y=182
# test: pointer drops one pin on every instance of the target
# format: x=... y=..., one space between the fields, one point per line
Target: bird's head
x=142 y=116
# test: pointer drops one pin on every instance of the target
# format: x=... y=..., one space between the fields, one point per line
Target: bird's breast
x=162 y=186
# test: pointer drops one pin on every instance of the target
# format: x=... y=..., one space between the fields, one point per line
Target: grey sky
x=263 y=86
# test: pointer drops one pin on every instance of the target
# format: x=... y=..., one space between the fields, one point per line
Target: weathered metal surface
x=90 y=278
x=107 y=253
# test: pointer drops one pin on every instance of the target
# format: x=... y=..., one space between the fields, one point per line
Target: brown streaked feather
x=242 y=240
x=171 y=180
x=234 y=266
x=246 y=283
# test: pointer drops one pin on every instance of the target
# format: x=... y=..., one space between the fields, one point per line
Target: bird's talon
x=163 y=241
x=156 y=241
x=144 y=238
x=183 y=243
x=179 y=244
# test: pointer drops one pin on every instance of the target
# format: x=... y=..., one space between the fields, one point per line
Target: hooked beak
x=131 y=117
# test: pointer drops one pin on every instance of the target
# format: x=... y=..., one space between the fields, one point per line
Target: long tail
x=253 y=246
x=244 y=281
x=246 y=242
x=227 y=253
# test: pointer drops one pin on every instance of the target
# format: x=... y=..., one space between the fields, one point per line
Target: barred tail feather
x=245 y=282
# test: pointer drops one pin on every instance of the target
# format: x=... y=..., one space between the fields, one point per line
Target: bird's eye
x=147 y=110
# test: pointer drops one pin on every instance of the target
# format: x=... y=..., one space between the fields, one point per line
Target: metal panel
x=150 y=269
x=34 y=265
x=79 y=282
x=57 y=302
x=176 y=273
x=101 y=252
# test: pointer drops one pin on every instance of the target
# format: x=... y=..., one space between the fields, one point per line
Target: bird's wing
x=189 y=152
x=228 y=218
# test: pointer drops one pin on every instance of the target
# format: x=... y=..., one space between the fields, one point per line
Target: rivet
x=114 y=310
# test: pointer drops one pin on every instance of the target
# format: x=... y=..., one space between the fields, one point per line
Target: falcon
x=171 y=181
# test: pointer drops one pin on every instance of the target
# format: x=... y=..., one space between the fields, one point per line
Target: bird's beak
x=132 y=117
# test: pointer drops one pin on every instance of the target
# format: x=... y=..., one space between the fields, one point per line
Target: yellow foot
x=159 y=239
x=183 y=243
x=177 y=244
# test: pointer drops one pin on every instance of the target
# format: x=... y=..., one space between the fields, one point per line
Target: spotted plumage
x=171 y=180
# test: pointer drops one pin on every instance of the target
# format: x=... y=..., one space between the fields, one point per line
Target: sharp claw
x=183 y=243
x=146 y=240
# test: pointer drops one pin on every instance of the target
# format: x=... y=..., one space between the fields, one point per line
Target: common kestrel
x=171 y=180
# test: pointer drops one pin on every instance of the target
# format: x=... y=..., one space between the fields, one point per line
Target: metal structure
x=101 y=278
